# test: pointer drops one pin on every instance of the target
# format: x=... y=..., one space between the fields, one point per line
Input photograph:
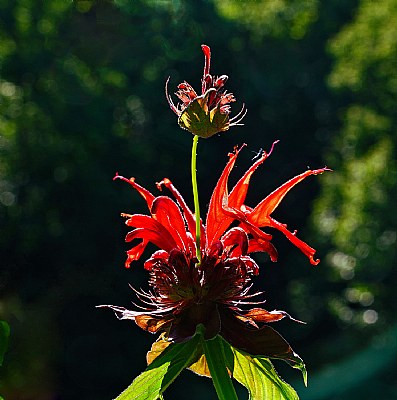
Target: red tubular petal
x=183 y=97
x=220 y=81
x=188 y=90
x=151 y=230
x=216 y=249
x=188 y=214
x=250 y=264
x=165 y=211
x=141 y=190
x=238 y=194
x=135 y=253
x=207 y=65
x=259 y=215
x=217 y=221
x=159 y=255
x=252 y=229
x=150 y=236
x=144 y=221
x=260 y=245
x=233 y=237
x=301 y=245
x=225 y=208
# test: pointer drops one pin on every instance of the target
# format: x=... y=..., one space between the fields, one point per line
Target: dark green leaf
x=163 y=370
x=213 y=350
x=4 y=335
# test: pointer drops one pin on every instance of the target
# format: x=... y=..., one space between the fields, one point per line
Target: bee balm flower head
x=185 y=293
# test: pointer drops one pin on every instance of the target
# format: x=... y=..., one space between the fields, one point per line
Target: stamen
x=169 y=99
x=239 y=117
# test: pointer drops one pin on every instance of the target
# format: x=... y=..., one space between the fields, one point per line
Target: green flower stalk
x=204 y=116
x=196 y=198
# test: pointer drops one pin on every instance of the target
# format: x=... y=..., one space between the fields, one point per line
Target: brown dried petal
x=262 y=315
x=152 y=324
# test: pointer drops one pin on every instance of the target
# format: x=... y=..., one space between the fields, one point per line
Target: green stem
x=216 y=362
x=196 y=197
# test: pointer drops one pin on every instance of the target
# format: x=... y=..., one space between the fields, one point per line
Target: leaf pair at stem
x=223 y=361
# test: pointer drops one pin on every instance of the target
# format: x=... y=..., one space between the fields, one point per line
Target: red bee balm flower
x=207 y=114
x=184 y=292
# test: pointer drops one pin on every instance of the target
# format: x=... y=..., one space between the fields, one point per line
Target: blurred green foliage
x=355 y=214
x=4 y=337
x=276 y=18
x=82 y=96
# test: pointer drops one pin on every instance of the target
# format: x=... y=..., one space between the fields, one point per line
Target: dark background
x=82 y=96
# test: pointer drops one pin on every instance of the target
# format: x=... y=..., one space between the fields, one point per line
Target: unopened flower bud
x=209 y=113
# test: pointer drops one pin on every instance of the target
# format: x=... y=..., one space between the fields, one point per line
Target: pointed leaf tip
x=258 y=375
x=151 y=383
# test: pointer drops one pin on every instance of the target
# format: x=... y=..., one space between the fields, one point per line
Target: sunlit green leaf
x=162 y=371
x=4 y=335
x=257 y=375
